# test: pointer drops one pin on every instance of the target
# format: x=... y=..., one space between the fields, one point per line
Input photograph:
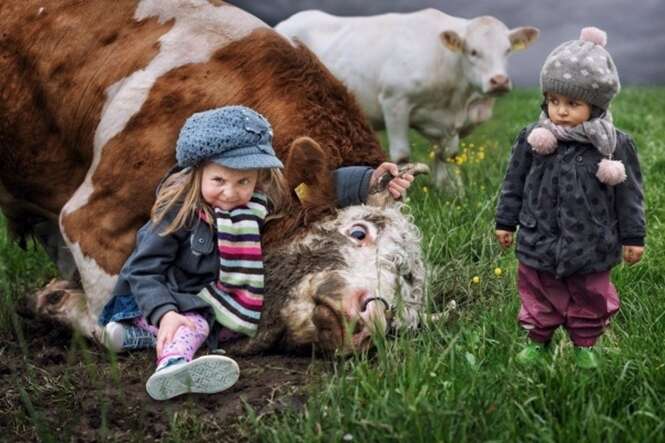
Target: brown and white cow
x=92 y=95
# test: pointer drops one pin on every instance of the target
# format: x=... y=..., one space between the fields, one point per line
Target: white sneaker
x=119 y=337
x=205 y=375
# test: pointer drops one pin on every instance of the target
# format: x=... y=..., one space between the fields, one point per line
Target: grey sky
x=635 y=34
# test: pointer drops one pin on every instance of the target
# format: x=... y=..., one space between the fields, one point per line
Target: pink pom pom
x=594 y=35
x=542 y=141
x=611 y=172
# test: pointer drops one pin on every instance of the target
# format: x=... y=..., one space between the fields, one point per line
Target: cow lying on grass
x=92 y=96
x=426 y=70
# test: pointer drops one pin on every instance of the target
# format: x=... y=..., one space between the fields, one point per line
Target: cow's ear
x=452 y=41
x=306 y=163
x=522 y=37
x=308 y=173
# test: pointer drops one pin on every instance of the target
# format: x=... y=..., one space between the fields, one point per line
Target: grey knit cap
x=582 y=69
x=233 y=136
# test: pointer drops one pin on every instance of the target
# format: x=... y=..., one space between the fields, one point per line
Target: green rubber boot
x=533 y=353
x=585 y=358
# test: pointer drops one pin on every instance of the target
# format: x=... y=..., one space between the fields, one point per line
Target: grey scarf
x=598 y=131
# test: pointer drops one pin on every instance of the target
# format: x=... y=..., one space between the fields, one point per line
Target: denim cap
x=233 y=136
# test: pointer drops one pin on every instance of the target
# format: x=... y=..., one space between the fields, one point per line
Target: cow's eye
x=359 y=232
x=474 y=53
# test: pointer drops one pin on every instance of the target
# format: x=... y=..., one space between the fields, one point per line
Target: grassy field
x=455 y=380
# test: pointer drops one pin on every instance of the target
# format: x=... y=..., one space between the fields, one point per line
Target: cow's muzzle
x=348 y=326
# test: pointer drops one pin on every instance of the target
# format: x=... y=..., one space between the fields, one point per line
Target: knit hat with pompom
x=582 y=69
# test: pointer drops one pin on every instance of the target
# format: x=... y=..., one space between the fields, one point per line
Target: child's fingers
x=160 y=344
x=190 y=324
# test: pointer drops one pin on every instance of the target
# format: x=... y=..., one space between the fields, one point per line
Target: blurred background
x=635 y=29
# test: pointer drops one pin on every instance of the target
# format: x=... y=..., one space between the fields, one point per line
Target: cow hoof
x=55 y=295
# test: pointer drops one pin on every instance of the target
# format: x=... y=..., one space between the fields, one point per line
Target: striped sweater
x=237 y=296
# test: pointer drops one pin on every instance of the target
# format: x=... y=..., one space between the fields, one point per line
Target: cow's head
x=484 y=49
x=350 y=274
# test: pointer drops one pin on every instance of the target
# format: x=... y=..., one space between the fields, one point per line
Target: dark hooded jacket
x=569 y=222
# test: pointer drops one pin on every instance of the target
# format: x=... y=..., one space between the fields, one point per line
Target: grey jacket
x=569 y=222
x=165 y=272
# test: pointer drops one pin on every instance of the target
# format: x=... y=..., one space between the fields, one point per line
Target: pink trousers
x=583 y=304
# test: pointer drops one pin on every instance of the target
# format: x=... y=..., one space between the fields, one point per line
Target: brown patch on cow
x=263 y=71
x=109 y=38
x=329 y=328
x=52 y=89
x=331 y=287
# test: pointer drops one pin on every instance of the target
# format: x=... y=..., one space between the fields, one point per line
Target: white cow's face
x=373 y=275
x=485 y=48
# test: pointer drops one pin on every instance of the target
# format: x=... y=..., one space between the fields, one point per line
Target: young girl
x=186 y=283
x=574 y=187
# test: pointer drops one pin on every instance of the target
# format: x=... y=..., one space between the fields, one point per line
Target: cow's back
x=94 y=94
x=375 y=55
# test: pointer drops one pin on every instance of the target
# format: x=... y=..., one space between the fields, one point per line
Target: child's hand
x=168 y=325
x=632 y=254
x=505 y=238
x=398 y=185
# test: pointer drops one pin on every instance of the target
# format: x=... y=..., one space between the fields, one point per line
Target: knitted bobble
x=611 y=172
x=542 y=141
x=594 y=35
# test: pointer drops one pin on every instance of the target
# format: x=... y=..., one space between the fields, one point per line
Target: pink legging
x=186 y=342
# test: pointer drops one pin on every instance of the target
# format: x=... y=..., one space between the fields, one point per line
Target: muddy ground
x=61 y=387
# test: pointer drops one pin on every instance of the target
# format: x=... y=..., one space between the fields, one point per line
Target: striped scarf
x=237 y=296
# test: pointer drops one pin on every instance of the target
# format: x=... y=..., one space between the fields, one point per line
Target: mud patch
x=61 y=387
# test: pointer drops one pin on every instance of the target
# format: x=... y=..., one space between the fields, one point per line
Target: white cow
x=427 y=70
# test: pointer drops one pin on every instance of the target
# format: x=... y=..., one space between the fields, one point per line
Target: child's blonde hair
x=182 y=190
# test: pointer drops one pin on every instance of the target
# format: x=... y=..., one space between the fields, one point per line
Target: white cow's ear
x=522 y=37
x=452 y=41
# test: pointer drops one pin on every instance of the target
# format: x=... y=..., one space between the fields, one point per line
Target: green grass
x=456 y=380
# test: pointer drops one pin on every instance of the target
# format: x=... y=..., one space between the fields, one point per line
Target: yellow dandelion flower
x=432 y=154
x=471 y=145
x=475 y=280
x=498 y=272
x=481 y=156
x=425 y=189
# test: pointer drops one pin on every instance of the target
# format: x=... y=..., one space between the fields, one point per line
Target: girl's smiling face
x=227 y=188
x=567 y=111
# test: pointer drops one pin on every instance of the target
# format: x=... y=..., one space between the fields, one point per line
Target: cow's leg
x=445 y=173
x=48 y=234
x=396 y=112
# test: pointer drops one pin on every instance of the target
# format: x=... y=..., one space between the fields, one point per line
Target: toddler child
x=574 y=188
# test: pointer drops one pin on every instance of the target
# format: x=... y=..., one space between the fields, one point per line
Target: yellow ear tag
x=303 y=192
x=518 y=45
